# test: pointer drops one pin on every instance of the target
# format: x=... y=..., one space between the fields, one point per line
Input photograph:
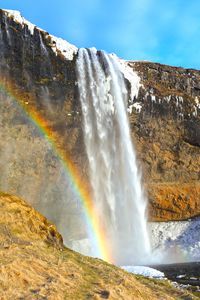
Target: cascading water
x=116 y=185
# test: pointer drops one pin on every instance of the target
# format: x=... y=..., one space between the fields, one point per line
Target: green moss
x=4 y=194
x=43 y=81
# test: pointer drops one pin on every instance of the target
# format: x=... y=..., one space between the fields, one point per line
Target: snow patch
x=195 y=112
x=179 y=101
x=145 y=271
x=197 y=102
x=196 y=107
x=177 y=241
x=135 y=83
x=137 y=106
x=59 y=45
x=132 y=77
x=168 y=98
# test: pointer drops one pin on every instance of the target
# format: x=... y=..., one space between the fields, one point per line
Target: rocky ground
x=36 y=265
x=185 y=275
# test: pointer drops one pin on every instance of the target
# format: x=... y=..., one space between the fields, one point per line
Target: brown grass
x=34 y=264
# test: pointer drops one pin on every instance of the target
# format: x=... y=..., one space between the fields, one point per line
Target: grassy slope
x=34 y=264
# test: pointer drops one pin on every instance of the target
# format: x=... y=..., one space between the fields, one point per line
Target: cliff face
x=37 y=74
x=166 y=128
x=40 y=117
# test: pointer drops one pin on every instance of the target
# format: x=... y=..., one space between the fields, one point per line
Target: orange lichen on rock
x=174 y=201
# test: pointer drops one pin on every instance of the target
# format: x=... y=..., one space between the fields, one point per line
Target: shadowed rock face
x=34 y=79
x=164 y=121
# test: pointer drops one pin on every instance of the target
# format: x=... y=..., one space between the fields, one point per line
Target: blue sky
x=157 y=30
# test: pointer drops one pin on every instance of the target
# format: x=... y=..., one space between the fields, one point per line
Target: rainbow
x=80 y=187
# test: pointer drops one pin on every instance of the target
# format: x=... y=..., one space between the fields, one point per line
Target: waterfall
x=115 y=180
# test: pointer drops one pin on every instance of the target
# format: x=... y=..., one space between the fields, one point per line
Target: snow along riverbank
x=177 y=241
x=145 y=271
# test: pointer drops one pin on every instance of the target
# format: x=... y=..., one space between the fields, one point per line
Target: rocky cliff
x=166 y=128
x=37 y=78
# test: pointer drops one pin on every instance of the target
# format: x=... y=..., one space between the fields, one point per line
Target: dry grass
x=34 y=264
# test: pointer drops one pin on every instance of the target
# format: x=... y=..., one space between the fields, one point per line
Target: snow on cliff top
x=130 y=75
x=58 y=45
x=17 y=17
